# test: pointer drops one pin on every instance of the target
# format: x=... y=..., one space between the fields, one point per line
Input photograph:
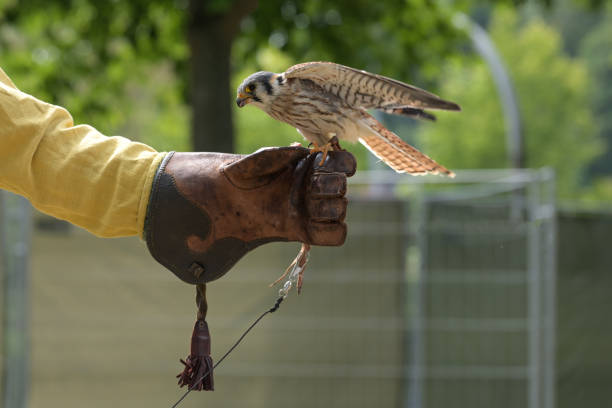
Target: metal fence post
x=549 y=234
x=416 y=278
x=15 y=227
x=534 y=289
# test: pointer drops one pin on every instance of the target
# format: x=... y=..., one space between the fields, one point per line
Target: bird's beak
x=243 y=99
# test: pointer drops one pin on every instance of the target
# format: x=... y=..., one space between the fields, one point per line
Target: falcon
x=327 y=102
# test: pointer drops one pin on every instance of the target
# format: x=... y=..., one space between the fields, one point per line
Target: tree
x=213 y=26
x=552 y=90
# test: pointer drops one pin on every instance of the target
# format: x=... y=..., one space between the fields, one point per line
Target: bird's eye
x=249 y=88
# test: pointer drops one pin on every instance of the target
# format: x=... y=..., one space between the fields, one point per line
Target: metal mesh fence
x=442 y=295
x=484 y=252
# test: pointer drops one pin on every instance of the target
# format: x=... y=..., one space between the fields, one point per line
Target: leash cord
x=271 y=310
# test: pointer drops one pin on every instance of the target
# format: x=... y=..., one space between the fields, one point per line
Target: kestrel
x=322 y=100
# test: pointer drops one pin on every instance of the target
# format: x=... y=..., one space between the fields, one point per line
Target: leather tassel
x=198 y=372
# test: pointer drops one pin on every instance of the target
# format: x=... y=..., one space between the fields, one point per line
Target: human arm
x=73 y=172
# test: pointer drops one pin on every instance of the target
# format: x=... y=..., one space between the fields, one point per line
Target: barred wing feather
x=362 y=89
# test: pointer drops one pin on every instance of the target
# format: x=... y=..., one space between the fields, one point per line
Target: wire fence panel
x=484 y=250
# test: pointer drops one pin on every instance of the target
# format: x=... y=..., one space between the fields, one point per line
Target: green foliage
x=392 y=37
x=218 y=6
x=574 y=21
x=103 y=61
x=600 y=192
x=552 y=89
x=596 y=50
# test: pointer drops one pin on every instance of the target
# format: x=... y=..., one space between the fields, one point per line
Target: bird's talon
x=335 y=144
x=322 y=149
x=323 y=158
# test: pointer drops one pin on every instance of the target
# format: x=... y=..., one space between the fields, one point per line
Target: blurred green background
x=142 y=68
x=108 y=324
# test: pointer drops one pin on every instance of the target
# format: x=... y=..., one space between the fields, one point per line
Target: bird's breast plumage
x=315 y=111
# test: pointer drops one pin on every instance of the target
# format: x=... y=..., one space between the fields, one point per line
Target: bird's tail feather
x=396 y=153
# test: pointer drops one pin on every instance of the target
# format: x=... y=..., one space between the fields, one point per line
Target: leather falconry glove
x=207 y=210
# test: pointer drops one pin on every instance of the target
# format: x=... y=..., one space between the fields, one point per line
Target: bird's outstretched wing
x=396 y=153
x=362 y=89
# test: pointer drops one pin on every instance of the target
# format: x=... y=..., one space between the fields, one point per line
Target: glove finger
x=328 y=185
x=327 y=233
x=327 y=209
x=336 y=162
x=261 y=167
x=300 y=180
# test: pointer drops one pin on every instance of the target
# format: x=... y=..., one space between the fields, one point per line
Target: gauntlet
x=207 y=210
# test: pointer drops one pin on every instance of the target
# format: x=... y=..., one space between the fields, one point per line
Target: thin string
x=271 y=310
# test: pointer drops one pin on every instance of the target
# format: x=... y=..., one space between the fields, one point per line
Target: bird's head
x=259 y=88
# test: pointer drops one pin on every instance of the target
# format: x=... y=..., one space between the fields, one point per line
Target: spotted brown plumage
x=323 y=99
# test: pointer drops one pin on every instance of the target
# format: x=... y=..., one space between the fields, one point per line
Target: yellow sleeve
x=73 y=172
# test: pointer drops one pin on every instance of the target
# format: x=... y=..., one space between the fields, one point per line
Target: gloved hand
x=207 y=210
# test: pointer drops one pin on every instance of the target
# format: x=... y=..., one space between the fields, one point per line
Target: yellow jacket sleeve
x=73 y=172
